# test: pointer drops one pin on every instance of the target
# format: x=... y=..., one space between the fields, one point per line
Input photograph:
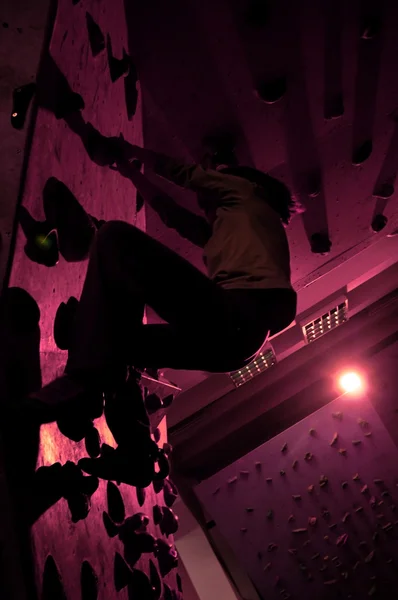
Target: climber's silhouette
x=214 y=323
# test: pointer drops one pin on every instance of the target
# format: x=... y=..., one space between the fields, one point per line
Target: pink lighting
x=351 y=383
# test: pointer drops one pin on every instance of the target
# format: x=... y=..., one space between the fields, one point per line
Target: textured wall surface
x=313 y=511
x=81 y=555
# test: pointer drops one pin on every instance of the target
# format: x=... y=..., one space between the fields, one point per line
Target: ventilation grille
x=328 y=321
x=261 y=363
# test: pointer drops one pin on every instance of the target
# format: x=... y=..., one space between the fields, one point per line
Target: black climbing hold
x=362 y=153
x=167 y=449
x=153 y=403
x=179 y=582
x=21 y=310
x=141 y=494
x=122 y=574
x=78 y=426
x=53 y=588
x=170 y=492
x=371 y=27
x=272 y=91
x=111 y=529
x=167 y=557
x=117 y=67
x=145 y=542
x=139 y=202
x=257 y=13
x=155 y=580
x=75 y=428
x=379 y=222
x=88 y=582
x=384 y=191
x=158 y=485
x=157 y=435
x=335 y=108
x=77 y=490
x=116 y=508
x=313 y=184
x=167 y=592
x=93 y=443
x=140 y=586
x=320 y=244
x=41 y=242
x=169 y=522
x=130 y=91
x=157 y=514
x=168 y=401
x=138 y=522
x=22 y=98
x=95 y=36
x=64 y=322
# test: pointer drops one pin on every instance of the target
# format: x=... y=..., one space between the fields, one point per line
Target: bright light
x=351 y=382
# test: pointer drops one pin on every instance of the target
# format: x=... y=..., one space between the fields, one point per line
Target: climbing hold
x=307 y=543
x=378 y=481
x=334 y=439
x=167 y=557
x=346 y=516
x=170 y=493
x=284 y=447
x=325 y=514
x=153 y=403
x=387 y=527
x=156 y=581
x=117 y=66
x=244 y=474
x=330 y=582
x=141 y=493
x=342 y=540
x=291 y=518
x=158 y=485
x=52 y=586
x=333 y=526
x=292 y=551
x=310 y=488
x=116 y=508
x=312 y=521
x=343 y=451
x=356 y=477
x=362 y=423
x=308 y=457
x=258 y=465
x=356 y=442
x=137 y=523
x=215 y=492
x=364 y=489
x=312 y=431
x=299 y=531
x=326 y=538
x=337 y=415
x=243 y=529
x=371 y=27
x=372 y=591
x=157 y=435
x=384 y=191
x=272 y=547
x=111 y=529
x=359 y=509
x=297 y=497
x=282 y=472
x=267 y=567
x=368 y=434
x=93 y=443
x=344 y=484
x=271 y=91
x=362 y=153
x=370 y=557
x=157 y=514
x=334 y=108
x=385 y=494
x=88 y=582
x=294 y=464
x=269 y=480
x=169 y=522
x=323 y=481
x=249 y=509
x=121 y=572
x=320 y=243
x=270 y=515
x=22 y=97
x=357 y=564
x=372 y=502
x=95 y=36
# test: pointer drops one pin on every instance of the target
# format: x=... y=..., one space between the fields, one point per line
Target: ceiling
x=199 y=65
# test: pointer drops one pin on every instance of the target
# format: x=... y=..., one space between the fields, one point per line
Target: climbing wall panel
x=86 y=546
x=312 y=512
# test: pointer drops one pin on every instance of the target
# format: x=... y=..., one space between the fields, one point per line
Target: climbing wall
x=314 y=509
x=108 y=541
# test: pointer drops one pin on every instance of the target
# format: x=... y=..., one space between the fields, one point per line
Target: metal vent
x=328 y=321
x=261 y=363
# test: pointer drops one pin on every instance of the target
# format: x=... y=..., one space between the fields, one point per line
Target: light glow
x=351 y=382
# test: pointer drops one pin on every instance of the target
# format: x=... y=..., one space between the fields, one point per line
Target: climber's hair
x=276 y=193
